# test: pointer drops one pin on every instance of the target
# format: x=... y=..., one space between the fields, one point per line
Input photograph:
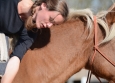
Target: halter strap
x=96 y=44
x=95 y=50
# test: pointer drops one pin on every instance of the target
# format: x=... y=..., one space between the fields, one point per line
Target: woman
x=15 y=15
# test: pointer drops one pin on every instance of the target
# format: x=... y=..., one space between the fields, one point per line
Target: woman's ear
x=43 y=5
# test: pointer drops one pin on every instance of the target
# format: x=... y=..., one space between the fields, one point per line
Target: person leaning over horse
x=15 y=15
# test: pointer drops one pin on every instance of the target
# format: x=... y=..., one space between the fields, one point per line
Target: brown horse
x=63 y=50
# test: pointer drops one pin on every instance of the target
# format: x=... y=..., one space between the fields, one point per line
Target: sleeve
x=26 y=38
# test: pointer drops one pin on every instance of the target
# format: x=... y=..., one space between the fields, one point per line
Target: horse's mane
x=109 y=34
x=84 y=12
x=110 y=31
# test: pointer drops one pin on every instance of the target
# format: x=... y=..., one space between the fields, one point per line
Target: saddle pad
x=3 y=48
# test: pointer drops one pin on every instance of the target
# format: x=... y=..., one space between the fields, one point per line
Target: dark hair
x=52 y=5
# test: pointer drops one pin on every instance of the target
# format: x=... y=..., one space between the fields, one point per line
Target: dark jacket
x=11 y=24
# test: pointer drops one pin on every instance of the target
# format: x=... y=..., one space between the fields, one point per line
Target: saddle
x=4 y=52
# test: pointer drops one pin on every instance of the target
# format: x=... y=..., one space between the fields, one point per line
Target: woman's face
x=45 y=18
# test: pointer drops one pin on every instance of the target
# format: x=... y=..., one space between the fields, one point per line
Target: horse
x=65 y=49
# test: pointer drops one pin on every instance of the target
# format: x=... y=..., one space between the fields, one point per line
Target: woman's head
x=45 y=13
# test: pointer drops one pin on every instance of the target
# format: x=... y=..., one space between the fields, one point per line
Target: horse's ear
x=112 y=7
x=111 y=15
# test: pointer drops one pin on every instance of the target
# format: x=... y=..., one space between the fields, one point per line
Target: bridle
x=96 y=49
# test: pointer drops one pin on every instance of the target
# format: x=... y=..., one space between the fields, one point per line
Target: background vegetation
x=94 y=5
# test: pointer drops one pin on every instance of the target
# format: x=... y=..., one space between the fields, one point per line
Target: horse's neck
x=72 y=45
x=66 y=53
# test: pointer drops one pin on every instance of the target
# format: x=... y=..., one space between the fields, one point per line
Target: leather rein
x=96 y=49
